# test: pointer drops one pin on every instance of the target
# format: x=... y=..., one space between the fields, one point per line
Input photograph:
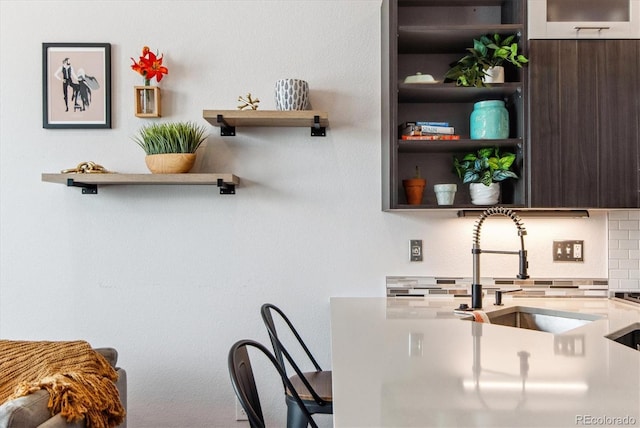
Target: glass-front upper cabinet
x=584 y=19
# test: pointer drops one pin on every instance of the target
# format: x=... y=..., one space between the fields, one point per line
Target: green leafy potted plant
x=484 y=169
x=414 y=188
x=488 y=52
x=170 y=146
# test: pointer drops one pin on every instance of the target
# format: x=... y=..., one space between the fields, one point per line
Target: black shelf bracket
x=226 y=188
x=87 y=189
x=226 y=130
x=316 y=129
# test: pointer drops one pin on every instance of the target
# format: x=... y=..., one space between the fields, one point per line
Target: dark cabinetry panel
x=619 y=131
x=584 y=116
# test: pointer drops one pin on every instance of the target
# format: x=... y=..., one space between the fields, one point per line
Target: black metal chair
x=314 y=388
x=244 y=383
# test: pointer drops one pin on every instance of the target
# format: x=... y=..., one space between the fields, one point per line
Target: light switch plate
x=416 y=250
x=568 y=251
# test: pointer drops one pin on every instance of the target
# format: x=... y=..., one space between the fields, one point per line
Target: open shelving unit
x=89 y=182
x=228 y=120
x=426 y=36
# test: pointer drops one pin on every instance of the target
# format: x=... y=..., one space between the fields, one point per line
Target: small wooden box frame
x=152 y=95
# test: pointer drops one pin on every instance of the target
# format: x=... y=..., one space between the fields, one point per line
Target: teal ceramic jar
x=489 y=120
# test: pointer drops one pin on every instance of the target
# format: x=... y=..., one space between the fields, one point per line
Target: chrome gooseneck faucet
x=476 y=287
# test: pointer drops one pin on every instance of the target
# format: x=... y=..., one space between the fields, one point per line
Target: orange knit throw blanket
x=79 y=380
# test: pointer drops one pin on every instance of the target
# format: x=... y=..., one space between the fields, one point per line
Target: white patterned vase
x=484 y=195
x=292 y=94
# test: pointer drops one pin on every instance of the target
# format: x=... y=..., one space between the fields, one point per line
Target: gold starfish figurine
x=248 y=101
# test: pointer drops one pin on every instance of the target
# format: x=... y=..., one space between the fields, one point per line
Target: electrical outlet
x=568 y=251
x=416 y=250
x=241 y=415
x=577 y=251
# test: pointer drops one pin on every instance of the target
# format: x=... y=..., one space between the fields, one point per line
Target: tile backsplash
x=624 y=250
x=415 y=286
x=623 y=242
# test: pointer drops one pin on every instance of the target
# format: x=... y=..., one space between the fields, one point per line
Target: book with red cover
x=427 y=130
x=431 y=137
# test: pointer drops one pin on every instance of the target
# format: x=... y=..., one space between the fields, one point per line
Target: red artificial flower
x=149 y=65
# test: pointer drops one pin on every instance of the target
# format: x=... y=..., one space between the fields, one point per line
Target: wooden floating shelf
x=89 y=182
x=291 y=118
x=227 y=120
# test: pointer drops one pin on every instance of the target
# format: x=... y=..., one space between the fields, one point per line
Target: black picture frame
x=84 y=100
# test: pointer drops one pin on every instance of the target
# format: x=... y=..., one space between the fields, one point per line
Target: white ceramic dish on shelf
x=420 y=78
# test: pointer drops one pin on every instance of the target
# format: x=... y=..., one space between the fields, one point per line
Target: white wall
x=172 y=276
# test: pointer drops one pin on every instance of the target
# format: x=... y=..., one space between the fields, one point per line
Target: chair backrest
x=244 y=383
x=278 y=348
x=280 y=351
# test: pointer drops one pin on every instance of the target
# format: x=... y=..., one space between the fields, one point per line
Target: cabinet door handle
x=592 y=28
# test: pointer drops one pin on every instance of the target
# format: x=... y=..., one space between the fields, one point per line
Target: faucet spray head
x=498 y=211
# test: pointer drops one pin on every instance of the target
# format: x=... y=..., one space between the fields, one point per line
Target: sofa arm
x=57 y=421
x=28 y=411
x=31 y=410
x=121 y=384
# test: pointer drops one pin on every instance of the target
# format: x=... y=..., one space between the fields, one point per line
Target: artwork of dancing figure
x=80 y=83
x=66 y=74
x=82 y=90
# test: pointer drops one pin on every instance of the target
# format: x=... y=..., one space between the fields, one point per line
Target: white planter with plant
x=484 y=195
x=484 y=170
x=170 y=147
x=487 y=52
x=494 y=74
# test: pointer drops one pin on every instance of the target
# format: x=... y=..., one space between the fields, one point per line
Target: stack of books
x=427 y=131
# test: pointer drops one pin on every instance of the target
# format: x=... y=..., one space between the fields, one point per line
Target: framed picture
x=76 y=85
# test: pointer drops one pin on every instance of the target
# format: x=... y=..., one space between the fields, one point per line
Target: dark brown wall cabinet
x=427 y=36
x=584 y=123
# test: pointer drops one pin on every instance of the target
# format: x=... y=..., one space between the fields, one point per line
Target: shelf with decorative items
x=228 y=120
x=170 y=150
x=437 y=159
x=435 y=73
x=147 y=99
x=89 y=182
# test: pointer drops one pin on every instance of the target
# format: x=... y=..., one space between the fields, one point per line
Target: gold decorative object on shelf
x=86 y=168
x=248 y=101
x=148 y=101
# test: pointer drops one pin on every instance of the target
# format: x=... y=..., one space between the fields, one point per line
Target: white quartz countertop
x=412 y=362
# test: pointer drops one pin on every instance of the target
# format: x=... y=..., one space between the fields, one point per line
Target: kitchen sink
x=628 y=336
x=540 y=319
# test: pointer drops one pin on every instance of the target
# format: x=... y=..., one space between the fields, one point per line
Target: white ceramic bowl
x=420 y=78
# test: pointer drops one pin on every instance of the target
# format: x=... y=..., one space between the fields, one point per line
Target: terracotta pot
x=170 y=163
x=414 y=188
